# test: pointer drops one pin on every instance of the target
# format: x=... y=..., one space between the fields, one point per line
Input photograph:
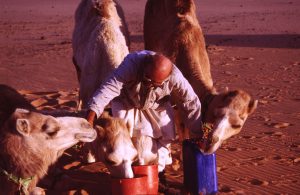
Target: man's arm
x=91 y=115
x=111 y=88
x=187 y=100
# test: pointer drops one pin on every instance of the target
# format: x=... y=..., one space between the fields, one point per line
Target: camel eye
x=86 y=125
x=219 y=112
x=52 y=134
x=236 y=126
x=50 y=130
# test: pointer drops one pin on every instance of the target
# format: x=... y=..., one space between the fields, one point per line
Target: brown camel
x=30 y=142
x=171 y=27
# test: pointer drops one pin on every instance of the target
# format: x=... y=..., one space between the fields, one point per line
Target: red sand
x=253 y=45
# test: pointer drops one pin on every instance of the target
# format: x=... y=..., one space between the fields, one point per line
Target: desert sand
x=252 y=45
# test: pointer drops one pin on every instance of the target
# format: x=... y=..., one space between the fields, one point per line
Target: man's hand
x=91 y=117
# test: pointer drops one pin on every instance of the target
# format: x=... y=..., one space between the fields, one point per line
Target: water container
x=200 y=173
x=152 y=176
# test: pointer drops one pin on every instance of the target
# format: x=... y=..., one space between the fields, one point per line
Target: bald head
x=158 y=68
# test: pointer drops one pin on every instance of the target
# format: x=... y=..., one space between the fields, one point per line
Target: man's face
x=157 y=73
x=148 y=82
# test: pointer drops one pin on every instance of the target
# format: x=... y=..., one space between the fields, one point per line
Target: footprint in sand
x=276 y=157
x=294 y=145
x=281 y=125
x=233 y=149
x=274 y=133
x=256 y=161
x=225 y=189
x=248 y=137
x=288 y=161
x=256 y=149
x=258 y=182
x=214 y=48
x=296 y=160
x=223 y=168
x=241 y=58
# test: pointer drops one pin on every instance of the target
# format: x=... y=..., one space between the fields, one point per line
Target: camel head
x=114 y=146
x=41 y=131
x=227 y=113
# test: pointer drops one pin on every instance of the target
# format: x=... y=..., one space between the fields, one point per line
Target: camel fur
x=113 y=146
x=30 y=141
x=100 y=43
x=171 y=27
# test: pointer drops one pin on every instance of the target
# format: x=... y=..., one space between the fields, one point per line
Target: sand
x=252 y=45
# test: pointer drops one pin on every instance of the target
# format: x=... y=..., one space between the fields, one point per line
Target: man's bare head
x=158 y=68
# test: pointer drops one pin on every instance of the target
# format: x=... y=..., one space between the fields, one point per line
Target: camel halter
x=206 y=129
x=21 y=182
x=207 y=99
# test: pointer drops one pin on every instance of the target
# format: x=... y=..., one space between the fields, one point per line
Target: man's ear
x=23 y=126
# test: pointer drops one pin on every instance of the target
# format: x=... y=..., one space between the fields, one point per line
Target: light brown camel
x=30 y=142
x=100 y=43
x=171 y=27
x=113 y=146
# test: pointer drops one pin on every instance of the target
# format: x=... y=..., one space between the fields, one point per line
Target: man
x=140 y=90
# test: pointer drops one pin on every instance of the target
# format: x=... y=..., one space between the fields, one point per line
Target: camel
x=113 y=146
x=172 y=28
x=30 y=142
x=100 y=43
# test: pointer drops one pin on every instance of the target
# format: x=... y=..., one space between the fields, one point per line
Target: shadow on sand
x=262 y=41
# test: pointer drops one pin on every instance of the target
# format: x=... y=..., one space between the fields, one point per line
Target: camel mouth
x=203 y=144
x=86 y=137
x=206 y=142
x=207 y=136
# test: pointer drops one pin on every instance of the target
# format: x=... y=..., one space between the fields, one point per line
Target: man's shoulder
x=135 y=58
x=143 y=52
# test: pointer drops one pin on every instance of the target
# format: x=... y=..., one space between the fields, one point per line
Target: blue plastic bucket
x=200 y=173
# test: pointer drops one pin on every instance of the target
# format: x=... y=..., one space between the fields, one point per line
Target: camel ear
x=23 y=126
x=184 y=7
x=252 y=106
x=22 y=111
x=101 y=132
x=225 y=90
x=105 y=114
x=222 y=90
